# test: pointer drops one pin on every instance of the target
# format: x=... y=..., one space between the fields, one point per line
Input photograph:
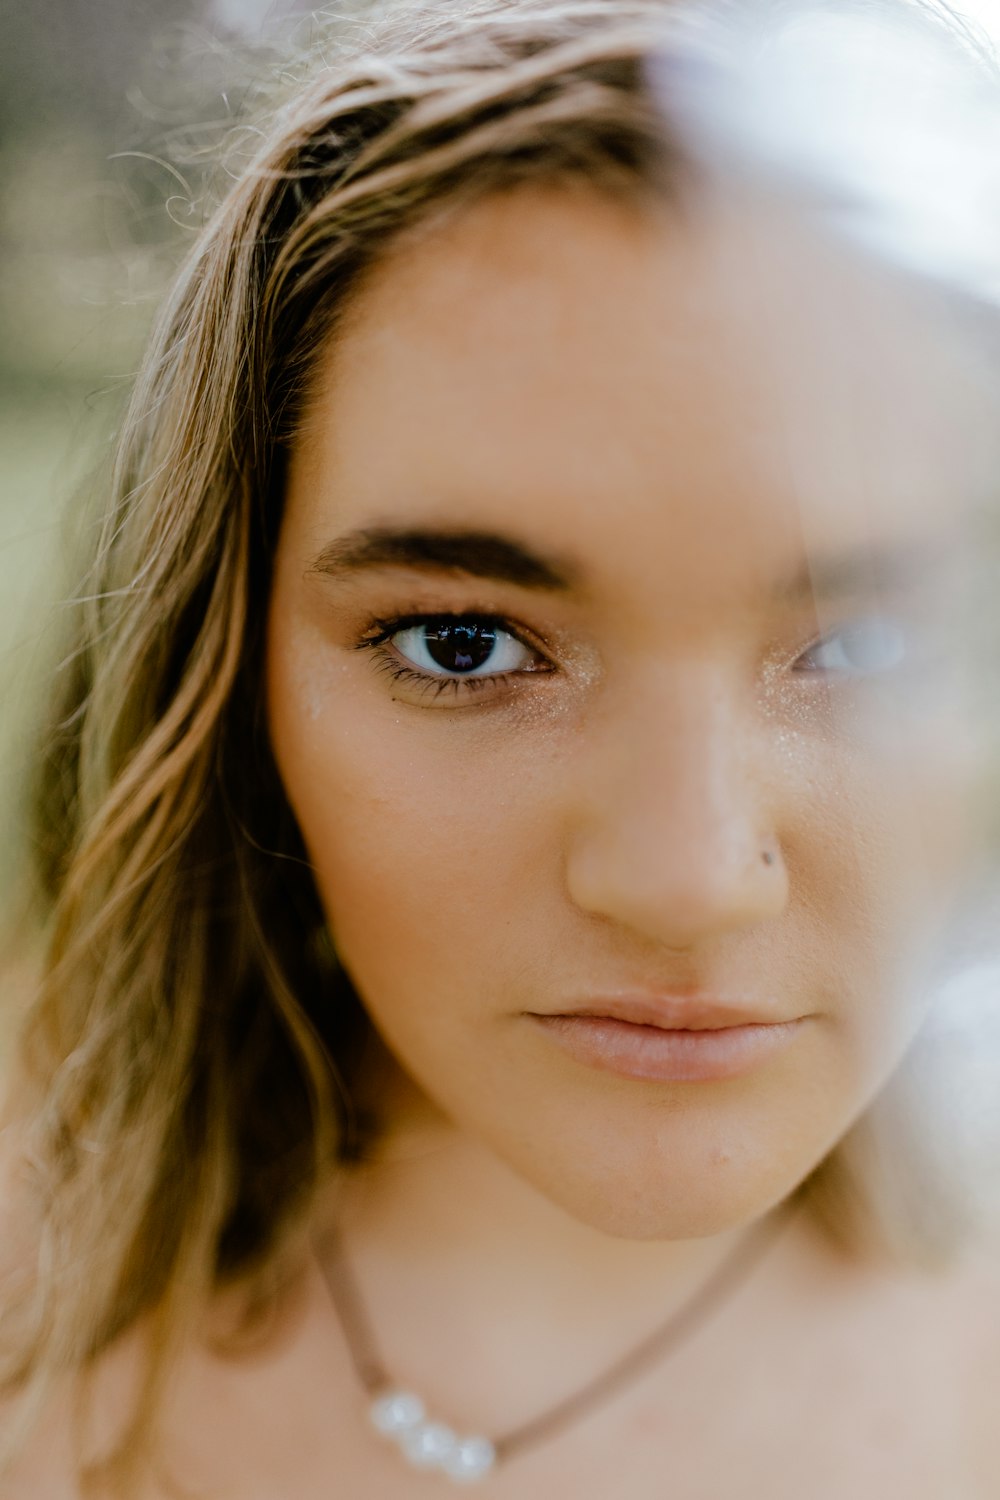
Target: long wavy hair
x=182 y=1087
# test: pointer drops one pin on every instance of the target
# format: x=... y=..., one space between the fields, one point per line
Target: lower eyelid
x=440 y=685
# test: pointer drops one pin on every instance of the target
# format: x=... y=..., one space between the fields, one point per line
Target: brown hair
x=183 y=1086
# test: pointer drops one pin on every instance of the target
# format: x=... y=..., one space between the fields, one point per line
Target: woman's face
x=599 y=682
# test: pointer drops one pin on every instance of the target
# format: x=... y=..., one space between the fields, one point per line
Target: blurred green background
x=99 y=99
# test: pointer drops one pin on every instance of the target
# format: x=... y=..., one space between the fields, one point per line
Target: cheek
x=430 y=845
x=918 y=841
x=899 y=853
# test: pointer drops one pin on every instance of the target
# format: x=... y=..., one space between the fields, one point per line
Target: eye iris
x=459 y=645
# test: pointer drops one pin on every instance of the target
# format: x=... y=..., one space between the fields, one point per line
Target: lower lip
x=660 y=1056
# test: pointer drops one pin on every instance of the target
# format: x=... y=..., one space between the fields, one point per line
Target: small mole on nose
x=768 y=857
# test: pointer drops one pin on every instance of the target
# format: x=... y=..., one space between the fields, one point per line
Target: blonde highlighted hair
x=182 y=1088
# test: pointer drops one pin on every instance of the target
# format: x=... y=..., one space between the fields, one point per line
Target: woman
x=506 y=809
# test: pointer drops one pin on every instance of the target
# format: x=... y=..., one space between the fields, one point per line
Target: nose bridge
x=676 y=832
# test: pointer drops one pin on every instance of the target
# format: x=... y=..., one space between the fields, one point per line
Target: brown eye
x=466 y=646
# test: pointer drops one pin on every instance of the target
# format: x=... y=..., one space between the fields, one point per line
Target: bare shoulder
x=208 y=1429
x=970 y=1336
x=43 y=1461
x=79 y=1421
x=35 y=1431
x=971 y=1302
x=42 y=1441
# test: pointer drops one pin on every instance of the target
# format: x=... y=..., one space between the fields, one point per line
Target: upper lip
x=674 y=1012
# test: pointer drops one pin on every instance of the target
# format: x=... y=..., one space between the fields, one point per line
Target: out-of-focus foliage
x=104 y=110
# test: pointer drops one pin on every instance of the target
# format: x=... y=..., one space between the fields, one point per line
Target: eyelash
x=466 y=686
x=433 y=685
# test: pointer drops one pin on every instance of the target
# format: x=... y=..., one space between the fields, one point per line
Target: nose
x=673 y=826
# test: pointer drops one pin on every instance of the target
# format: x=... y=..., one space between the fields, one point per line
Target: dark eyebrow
x=482 y=554
x=487 y=554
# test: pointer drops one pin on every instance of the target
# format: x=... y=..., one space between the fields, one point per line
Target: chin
x=677 y=1212
x=664 y=1192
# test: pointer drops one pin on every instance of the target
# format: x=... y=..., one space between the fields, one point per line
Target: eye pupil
x=459 y=645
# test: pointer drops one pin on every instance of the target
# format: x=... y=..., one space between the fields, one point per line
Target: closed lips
x=673 y=1013
x=667 y=1042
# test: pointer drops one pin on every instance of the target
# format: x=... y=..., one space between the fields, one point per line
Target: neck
x=434 y=1220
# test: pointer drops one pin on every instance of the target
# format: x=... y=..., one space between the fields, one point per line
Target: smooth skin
x=620 y=399
x=655 y=429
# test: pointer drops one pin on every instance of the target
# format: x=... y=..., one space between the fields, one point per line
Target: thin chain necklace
x=401 y=1416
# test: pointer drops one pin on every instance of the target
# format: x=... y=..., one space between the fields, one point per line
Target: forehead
x=706 y=391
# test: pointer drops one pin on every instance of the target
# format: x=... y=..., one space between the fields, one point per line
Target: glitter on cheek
x=311 y=700
x=312 y=685
x=313 y=677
